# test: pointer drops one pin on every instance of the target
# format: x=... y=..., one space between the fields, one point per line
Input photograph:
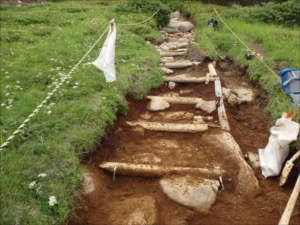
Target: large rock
x=244 y=95
x=157 y=104
x=196 y=194
x=226 y=146
x=183 y=26
x=134 y=211
x=175 y=15
x=238 y=95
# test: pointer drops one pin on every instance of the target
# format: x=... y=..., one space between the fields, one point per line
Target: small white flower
x=18 y=81
x=10 y=101
x=31 y=185
x=42 y=175
x=7 y=94
x=49 y=112
x=74 y=87
x=7 y=76
x=7 y=86
x=52 y=201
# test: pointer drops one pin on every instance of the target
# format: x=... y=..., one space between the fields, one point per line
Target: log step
x=147 y=170
x=171 y=127
x=187 y=79
x=177 y=100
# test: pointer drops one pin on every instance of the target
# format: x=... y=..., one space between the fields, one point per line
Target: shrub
x=148 y=6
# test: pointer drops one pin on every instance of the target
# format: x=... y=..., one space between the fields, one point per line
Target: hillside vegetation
x=43 y=46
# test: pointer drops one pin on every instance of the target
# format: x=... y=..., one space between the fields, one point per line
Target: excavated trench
x=156 y=180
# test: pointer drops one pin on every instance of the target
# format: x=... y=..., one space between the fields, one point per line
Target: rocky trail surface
x=177 y=157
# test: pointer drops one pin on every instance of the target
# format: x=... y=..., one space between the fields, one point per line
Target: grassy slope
x=279 y=43
x=39 y=46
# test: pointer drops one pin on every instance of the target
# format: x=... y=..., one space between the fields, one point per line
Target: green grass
x=39 y=47
x=279 y=43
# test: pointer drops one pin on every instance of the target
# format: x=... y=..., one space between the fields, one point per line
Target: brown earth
x=249 y=127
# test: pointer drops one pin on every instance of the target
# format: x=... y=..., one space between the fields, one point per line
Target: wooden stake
x=286 y=216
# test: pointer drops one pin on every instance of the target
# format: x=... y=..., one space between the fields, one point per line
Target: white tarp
x=106 y=59
x=272 y=157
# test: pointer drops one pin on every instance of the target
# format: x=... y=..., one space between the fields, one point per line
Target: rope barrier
x=140 y=22
x=20 y=128
x=244 y=43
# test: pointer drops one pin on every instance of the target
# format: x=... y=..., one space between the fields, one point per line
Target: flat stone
x=226 y=146
x=196 y=194
x=134 y=211
x=157 y=104
x=206 y=106
x=183 y=26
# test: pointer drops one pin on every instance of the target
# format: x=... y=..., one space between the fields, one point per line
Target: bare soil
x=249 y=127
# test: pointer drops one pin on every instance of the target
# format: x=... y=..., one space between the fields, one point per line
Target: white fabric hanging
x=106 y=59
x=277 y=150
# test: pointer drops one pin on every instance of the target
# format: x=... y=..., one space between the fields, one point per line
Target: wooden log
x=147 y=170
x=168 y=54
x=207 y=78
x=171 y=127
x=223 y=117
x=286 y=216
x=218 y=88
x=177 y=100
x=178 y=65
x=212 y=70
x=187 y=79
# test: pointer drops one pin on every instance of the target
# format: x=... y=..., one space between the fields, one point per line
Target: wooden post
x=286 y=216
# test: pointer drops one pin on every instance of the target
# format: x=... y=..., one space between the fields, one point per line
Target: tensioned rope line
x=20 y=128
x=133 y=24
x=244 y=43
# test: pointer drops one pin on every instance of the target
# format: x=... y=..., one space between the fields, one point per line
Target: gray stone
x=233 y=99
x=183 y=26
x=175 y=14
x=226 y=146
x=244 y=95
x=253 y=160
x=198 y=195
x=172 y=85
x=206 y=106
x=157 y=104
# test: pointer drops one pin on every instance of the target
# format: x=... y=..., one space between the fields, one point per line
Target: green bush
x=147 y=6
x=286 y=13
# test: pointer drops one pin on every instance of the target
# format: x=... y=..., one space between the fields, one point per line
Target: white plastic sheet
x=272 y=157
x=106 y=59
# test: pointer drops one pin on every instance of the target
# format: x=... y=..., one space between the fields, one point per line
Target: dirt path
x=140 y=200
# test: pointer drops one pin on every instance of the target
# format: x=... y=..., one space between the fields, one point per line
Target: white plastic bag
x=272 y=157
x=106 y=59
